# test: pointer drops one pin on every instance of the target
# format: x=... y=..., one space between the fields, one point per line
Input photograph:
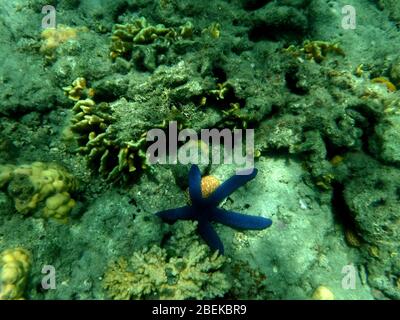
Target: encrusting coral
x=186 y=271
x=14 y=271
x=42 y=187
x=54 y=37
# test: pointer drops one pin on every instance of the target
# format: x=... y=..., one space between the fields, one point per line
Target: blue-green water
x=93 y=93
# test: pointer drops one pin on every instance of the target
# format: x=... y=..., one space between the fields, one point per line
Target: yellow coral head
x=14 y=271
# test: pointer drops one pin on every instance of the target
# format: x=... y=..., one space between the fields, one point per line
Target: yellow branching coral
x=78 y=89
x=318 y=50
x=40 y=186
x=315 y=50
x=14 y=271
x=152 y=274
x=325 y=181
x=214 y=30
x=139 y=31
x=222 y=91
x=92 y=124
x=234 y=115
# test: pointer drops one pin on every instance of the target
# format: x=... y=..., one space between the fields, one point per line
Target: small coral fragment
x=323 y=293
x=359 y=70
x=318 y=50
x=382 y=80
x=78 y=89
x=336 y=160
x=352 y=238
x=214 y=30
x=14 y=271
x=315 y=50
x=40 y=186
x=325 y=181
x=222 y=91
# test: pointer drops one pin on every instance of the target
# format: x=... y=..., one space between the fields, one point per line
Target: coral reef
x=155 y=274
x=327 y=146
x=43 y=187
x=392 y=8
x=386 y=141
x=14 y=271
x=113 y=135
x=127 y=40
x=372 y=198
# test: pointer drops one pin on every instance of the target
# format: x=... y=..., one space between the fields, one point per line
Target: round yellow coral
x=59 y=206
x=14 y=270
x=31 y=185
x=323 y=293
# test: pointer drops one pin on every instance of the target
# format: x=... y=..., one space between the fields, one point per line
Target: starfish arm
x=195 y=184
x=229 y=186
x=185 y=213
x=210 y=236
x=240 y=221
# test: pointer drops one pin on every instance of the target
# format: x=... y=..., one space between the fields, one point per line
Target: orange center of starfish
x=208 y=185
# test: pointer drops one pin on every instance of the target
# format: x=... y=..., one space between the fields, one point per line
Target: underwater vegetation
x=77 y=191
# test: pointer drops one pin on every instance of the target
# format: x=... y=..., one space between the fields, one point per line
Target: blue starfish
x=205 y=210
